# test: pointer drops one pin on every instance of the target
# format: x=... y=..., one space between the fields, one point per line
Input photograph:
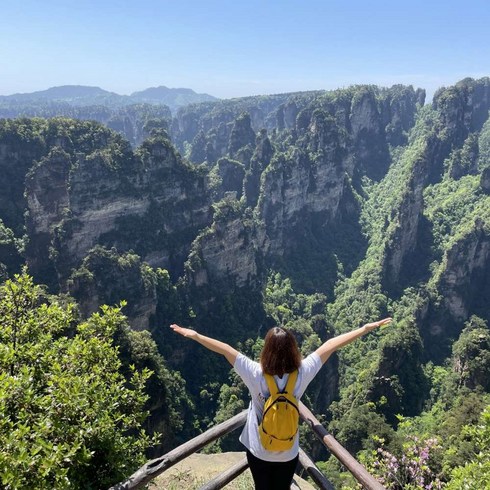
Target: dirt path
x=198 y=469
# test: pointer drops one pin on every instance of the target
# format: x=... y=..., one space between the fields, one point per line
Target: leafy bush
x=68 y=417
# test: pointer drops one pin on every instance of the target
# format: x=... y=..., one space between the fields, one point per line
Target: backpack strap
x=272 y=385
x=291 y=382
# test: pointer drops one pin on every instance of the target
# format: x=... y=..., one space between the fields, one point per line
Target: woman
x=280 y=356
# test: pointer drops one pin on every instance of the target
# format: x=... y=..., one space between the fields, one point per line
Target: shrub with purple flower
x=410 y=470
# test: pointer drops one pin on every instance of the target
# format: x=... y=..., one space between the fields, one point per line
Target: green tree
x=68 y=417
x=471 y=354
x=475 y=474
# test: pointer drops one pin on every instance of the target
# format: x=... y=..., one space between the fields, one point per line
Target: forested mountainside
x=134 y=122
x=319 y=211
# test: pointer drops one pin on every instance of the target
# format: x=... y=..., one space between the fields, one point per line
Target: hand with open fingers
x=186 y=332
x=381 y=323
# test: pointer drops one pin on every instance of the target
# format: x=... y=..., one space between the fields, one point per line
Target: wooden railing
x=348 y=461
x=157 y=466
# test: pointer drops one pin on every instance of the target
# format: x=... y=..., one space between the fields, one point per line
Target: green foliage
x=231 y=400
x=227 y=210
x=484 y=146
x=441 y=430
x=450 y=205
x=113 y=277
x=171 y=411
x=23 y=132
x=471 y=354
x=69 y=419
x=475 y=473
x=356 y=427
x=134 y=121
x=10 y=259
x=288 y=308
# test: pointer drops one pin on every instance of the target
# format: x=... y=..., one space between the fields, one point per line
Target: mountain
x=172 y=97
x=79 y=95
x=76 y=95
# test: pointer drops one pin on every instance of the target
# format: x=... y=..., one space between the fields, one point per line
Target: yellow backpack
x=281 y=415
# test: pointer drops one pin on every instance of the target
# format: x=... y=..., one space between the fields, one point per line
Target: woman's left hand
x=186 y=332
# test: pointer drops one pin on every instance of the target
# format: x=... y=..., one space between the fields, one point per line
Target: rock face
x=18 y=150
x=241 y=135
x=294 y=187
x=286 y=115
x=276 y=183
x=485 y=180
x=398 y=111
x=295 y=158
x=463 y=289
x=465 y=278
x=464 y=107
x=300 y=178
x=339 y=140
x=406 y=233
x=48 y=202
x=460 y=111
x=216 y=120
x=232 y=250
x=368 y=135
x=229 y=175
x=124 y=204
x=260 y=160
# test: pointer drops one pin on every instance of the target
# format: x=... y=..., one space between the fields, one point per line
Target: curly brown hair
x=280 y=354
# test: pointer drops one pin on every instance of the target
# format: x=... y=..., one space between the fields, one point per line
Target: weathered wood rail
x=348 y=461
x=157 y=466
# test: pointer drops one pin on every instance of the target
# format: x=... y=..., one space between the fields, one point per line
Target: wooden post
x=153 y=468
x=358 y=471
x=227 y=476
x=314 y=472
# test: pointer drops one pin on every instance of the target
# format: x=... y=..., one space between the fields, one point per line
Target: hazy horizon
x=429 y=91
x=233 y=50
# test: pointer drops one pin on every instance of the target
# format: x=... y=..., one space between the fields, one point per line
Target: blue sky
x=236 y=48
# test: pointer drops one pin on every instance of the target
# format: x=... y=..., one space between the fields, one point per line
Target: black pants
x=271 y=475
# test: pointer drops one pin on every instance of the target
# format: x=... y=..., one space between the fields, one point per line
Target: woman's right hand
x=380 y=323
x=185 y=332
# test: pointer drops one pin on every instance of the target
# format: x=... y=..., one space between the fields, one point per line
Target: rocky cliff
x=85 y=186
x=301 y=179
x=449 y=147
x=232 y=250
x=150 y=202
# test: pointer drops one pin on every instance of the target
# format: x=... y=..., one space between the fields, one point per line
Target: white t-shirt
x=251 y=373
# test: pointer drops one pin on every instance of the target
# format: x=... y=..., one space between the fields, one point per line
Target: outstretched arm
x=212 y=344
x=331 y=345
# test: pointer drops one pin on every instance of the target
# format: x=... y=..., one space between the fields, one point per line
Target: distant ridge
x=81 y=95
x=164 y=95
x=62 y=92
